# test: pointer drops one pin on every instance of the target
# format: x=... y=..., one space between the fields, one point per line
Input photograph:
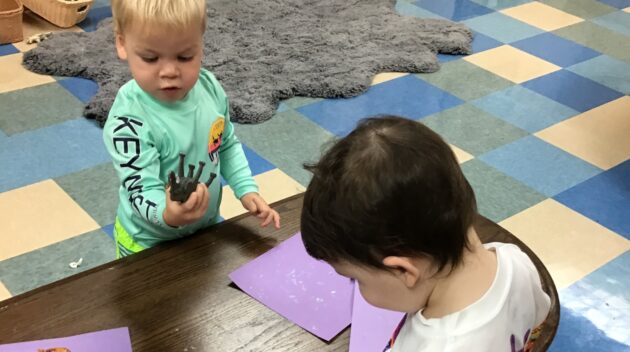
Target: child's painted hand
x=254 y=203
x=193 y=209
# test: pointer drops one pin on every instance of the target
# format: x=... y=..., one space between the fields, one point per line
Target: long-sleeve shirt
x=145 y=136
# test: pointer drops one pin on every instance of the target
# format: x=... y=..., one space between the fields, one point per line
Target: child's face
x=393 y=290
x=164 y=62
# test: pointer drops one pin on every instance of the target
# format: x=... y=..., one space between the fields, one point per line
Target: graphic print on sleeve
x=215 y=138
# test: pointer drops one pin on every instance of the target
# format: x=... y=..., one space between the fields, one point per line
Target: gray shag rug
x=263 y=51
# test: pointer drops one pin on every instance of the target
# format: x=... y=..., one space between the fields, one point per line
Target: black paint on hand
x=183 y=186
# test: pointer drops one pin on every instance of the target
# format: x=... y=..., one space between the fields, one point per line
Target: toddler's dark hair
x=391 y=187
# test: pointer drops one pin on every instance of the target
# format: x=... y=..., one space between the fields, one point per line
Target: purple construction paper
x=372 y=327
x=102 y=341
x=306 y=291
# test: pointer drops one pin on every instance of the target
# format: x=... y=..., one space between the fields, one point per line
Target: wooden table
x=178 y=297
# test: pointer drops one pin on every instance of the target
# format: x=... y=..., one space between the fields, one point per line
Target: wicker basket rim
x=19 y=9
x=77 y=2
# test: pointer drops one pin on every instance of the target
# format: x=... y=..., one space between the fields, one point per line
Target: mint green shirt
x=144 y=137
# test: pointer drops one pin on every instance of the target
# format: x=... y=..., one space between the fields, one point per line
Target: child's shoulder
x=130 y=93
x=210 y=83
x=207 y=75
x=127 y=104
x=127 y=94
x=509 y=250
x=513 y=254
x=518 y=268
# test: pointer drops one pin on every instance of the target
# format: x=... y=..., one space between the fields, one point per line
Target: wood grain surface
x=178 y=297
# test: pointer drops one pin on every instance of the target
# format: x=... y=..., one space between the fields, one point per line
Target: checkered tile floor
x=539 y=117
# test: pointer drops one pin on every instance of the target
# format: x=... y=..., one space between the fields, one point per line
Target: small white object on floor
x=76 y=264
x=38 y=38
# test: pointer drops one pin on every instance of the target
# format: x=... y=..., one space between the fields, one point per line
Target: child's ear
x=405 y=269
x=120 y=46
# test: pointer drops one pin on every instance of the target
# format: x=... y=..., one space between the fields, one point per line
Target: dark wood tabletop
x=178 y=297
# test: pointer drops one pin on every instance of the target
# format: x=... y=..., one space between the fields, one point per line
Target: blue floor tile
x=620 y=4
x=109 y=230
x=501 y=4
x=407 y=9
x=502 y=28
x=572 y=90
x=456 y=10
x=556 y=50
x=257 y=164
x=617 y=21
x=604 y=198
x=102 y=3
x=611 y=281
x=444 y=58
x=482 y=42
x=606 y=70
x=8 y=49
x=577 y=333
x=95 y=16
x=540 y=165
x=598 y=306
x=83 y=89
x=407 y=96
x=50 y=152
x=524 y=108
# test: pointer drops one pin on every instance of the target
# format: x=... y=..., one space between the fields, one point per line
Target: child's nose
x=169 y=70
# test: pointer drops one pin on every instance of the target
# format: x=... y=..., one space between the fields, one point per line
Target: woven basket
x=11 y=21
x=61 y=13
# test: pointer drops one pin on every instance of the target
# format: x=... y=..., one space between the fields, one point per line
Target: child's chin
x=170 y=96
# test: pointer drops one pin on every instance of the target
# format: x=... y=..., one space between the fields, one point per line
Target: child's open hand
x=254 y=203
x=193 y=209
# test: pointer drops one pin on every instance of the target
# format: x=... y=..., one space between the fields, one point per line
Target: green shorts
x=125 y=245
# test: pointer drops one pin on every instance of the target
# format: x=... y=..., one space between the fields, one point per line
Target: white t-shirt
x=501 y=320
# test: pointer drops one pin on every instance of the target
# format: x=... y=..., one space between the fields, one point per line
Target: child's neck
x=466 y=284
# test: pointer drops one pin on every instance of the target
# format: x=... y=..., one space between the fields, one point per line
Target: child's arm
x=234 y=166
x=132 y=146
x=235 y=169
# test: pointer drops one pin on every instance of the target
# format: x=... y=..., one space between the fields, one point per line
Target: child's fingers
x=276 y=218
x=262 y=205
x=273 y=217
x=268 y=219
x=168 y=194
x=191 y=202
x=204 y=200
x=202 y=191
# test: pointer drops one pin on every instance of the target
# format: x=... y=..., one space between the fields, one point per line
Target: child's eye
x=184 y=58
x=149 y=59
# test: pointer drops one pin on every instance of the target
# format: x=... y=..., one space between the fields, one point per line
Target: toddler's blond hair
x=171 y=14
